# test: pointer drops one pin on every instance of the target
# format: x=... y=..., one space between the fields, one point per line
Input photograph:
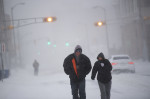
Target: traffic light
x=99 y=23
x=147 y=18
x=10 y=27
x=54 y=45
x=49 y=19
x=67 y=44
x=49 y=43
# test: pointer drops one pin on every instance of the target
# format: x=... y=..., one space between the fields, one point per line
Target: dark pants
x=105 y=89
x=78 y=87
x=36 y=71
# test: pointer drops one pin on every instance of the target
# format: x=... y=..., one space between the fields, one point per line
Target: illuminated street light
x=99 y=23
x=49 y=19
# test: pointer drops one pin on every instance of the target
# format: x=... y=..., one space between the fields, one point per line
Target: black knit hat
x=78 y=48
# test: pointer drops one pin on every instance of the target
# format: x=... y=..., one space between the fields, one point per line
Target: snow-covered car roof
x=120 y=55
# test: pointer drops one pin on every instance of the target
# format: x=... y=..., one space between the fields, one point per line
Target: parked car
x=122 y=63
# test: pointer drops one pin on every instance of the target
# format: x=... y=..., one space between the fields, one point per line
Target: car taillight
x=130 y=62
x=113 y=63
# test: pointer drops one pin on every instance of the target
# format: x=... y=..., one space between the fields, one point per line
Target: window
x=120 y=57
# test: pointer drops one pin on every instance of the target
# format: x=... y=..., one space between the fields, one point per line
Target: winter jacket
x=103 y=67
x=36 y=65
x=77 y=74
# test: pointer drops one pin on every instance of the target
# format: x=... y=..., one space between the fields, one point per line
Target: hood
x=78 y=47
x=101 y=55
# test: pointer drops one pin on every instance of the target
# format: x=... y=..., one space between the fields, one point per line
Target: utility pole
x=100 y=23
x=2 y=48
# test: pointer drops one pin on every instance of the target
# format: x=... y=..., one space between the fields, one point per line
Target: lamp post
x=12 y=9
x=13 y=30
x=100 y=23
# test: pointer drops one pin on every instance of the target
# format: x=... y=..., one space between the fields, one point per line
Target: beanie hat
x=78 y=48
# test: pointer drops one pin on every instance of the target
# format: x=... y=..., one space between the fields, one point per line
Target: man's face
x=100 y=58
x=78 y=53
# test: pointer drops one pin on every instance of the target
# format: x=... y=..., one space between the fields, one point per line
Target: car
x=122 y=63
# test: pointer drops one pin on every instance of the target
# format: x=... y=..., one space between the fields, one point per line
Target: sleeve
x=88 y=66
x=66 y=66
x=109 y=65
x=94 y=71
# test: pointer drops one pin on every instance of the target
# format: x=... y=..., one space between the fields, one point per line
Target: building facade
x=5 y=38
x=130 y=28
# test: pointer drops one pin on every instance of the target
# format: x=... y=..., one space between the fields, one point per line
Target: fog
x=25 y=36
x=122 y=32
x=74 y=25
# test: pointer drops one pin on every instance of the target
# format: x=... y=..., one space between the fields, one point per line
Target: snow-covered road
x=23 y=85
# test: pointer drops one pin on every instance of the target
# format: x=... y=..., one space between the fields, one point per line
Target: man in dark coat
x=77 y=66
x=103 y=67
x=36 y=67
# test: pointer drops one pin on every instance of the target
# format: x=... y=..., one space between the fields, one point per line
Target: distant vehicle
x=122 y=63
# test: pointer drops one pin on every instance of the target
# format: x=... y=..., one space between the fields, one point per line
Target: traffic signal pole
x=29 y=21
x=17 y=23
x=2 y=51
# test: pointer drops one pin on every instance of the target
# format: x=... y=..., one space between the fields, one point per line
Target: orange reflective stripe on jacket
x=74 y=66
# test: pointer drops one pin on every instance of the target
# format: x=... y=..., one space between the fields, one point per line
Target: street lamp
x=12 y=9
x=100 y=23
x=49 y=19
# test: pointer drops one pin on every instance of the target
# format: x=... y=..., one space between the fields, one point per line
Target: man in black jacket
x=77 y=66
x=36 y=67
x=103 y=67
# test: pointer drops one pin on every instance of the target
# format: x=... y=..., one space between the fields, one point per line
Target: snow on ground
x=23 y=85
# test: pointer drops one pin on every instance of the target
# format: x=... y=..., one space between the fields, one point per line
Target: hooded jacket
x=80 y=73
x=103 y=67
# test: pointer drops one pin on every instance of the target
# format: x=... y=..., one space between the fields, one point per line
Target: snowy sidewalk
x=23 y=85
